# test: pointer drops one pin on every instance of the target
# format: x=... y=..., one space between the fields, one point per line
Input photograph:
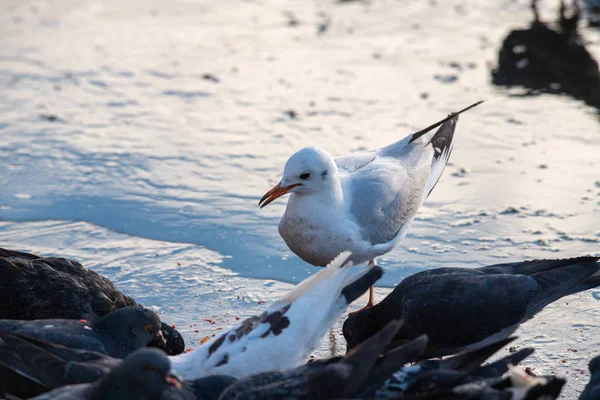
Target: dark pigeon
x=462 y=309
x=592 y=390
x=144 y=375
x=50 y=366
x=116 y=334
x=464 y=376
x=438 y=376
x=33 y=288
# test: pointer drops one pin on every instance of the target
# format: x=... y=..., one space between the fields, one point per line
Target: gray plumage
x=116 y=334
x=144 y=375
x=460 y=309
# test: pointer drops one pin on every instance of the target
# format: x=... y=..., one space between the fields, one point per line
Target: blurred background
x=138 y=136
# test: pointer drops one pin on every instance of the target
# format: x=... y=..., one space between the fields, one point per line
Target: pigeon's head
x=594 y=366
x=358 y=328
x=308 y=171
x=149 y=369
x=134 y=327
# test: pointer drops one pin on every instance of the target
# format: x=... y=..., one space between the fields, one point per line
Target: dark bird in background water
x=32 y=287
x=463 y=309
x=547 y=60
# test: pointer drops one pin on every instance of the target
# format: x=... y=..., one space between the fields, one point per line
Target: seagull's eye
x=150 y=367
x=304 y=176
x=148 y=328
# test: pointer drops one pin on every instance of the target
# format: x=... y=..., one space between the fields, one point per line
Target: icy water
x=137 y=137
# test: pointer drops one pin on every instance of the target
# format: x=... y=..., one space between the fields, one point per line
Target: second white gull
x=364 y=202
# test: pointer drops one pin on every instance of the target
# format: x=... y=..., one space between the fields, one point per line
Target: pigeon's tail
x=442 y=142
x=363 y=357
x=391 y=362
x=471 y=360
x=535 y=266
x=563 y=281
x=500 y=367
x=589 y=283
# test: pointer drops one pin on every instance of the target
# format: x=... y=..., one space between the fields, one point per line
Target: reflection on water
x=550 y=60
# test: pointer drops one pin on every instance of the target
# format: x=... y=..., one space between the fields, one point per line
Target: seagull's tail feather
x=442 y=142
x=341 y=261
x=560 y=282
x=360 y=282
x=390 y=363
x=471 y=360
x=422 y=132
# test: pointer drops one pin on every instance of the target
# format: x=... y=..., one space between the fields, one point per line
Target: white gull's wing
x=385 y=188
x=283 y=336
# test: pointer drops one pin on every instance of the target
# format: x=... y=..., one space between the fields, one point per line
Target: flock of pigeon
x=68 y=333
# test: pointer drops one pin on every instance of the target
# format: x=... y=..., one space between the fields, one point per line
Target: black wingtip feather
x=420 y=133
x=356 y=289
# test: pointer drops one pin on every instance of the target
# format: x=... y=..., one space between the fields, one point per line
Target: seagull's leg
x=534 y=8
x=371 y=302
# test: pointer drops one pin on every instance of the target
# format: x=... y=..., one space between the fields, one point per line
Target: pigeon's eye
x=151 y=368
x=304 y=176
x=148 y=328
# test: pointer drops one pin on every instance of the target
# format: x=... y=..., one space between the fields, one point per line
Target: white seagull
x=287 y=333
x=362 y=202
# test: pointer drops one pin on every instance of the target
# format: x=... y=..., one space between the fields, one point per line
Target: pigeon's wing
x=459 y=310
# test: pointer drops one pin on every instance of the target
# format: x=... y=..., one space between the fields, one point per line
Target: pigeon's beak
x=173 y=380
x=276 y=192
x=160 y=338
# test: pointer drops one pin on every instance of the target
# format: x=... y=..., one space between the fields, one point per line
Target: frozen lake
x=138 y=136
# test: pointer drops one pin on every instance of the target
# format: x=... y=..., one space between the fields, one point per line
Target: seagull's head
x=308 y=171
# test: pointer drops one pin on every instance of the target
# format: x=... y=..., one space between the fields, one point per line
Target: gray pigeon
x=117 y=334
x=144 y=375
x=34 y=287
x=462 y=309
x=50 y=366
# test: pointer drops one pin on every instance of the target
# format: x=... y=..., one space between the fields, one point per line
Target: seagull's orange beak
x=276 y=192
